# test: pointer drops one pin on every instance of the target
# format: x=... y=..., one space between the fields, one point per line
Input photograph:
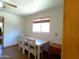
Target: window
x=41 y=25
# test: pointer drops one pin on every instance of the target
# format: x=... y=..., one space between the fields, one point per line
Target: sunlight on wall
x=11 y=37
x=11 y=28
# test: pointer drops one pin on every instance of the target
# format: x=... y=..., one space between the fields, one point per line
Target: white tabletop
x=39 y=42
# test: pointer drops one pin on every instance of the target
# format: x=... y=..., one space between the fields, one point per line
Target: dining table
x=39 y=43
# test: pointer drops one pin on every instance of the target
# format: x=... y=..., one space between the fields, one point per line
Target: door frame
x=2 y=20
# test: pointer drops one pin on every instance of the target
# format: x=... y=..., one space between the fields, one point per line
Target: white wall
x=11 y=28
x=56 y=23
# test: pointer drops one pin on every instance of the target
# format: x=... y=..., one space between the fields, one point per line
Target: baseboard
x=11 y=46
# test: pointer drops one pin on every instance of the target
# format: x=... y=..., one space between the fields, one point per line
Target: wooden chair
x=20 y=44
x=32 y=48
x=26 y=44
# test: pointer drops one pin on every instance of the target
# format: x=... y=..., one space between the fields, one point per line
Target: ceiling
x=25 y=7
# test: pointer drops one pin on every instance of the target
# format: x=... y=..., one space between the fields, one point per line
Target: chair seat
x=26 y=48
x=45 y=48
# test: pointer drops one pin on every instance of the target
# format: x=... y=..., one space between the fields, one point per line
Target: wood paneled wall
x=70 y=46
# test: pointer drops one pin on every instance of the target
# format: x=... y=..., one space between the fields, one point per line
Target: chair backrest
x=32 y=46
x=19 y=39
x=32 y=42
x=26 y=41
x=23 y=37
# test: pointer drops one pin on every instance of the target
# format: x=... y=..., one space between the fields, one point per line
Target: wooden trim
x=41 y=21
x=3 y=34
x=2 y=20
x=11 y=46
x=1 y=17
x=42 y=17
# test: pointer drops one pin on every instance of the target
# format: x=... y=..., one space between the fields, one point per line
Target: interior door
x=70 y=46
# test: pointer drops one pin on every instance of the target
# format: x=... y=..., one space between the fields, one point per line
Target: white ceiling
x=25 y=7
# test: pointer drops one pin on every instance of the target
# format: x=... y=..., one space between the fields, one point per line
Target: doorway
x=1 y=31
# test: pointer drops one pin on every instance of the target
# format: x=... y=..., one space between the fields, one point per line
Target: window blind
x=42 y=20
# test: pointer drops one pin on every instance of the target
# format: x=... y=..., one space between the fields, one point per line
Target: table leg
x=23 y=49
x=38 y=52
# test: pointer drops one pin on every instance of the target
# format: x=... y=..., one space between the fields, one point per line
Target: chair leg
x=19 y=48
x=23 y=51
x=28 y=55
x=41 y=54
x=35 y=57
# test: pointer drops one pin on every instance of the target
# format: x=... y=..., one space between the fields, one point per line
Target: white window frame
x=39 y=21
